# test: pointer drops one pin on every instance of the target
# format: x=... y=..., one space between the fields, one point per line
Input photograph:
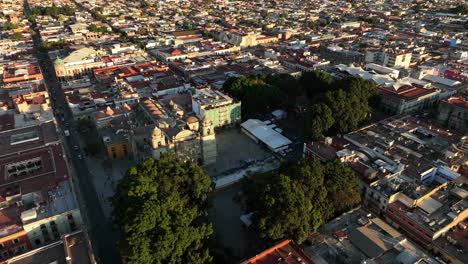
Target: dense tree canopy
x=17 y=36
x=257 y=93
x=9 y=26
x=52 y=45
x=54 y=11
x=160 y=208
x=321 y=119
x=348 y=102
x=94 y=28
x=339 y=105
x=300 y=197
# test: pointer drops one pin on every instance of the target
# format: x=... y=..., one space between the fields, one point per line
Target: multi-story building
x=394 y=58
x=400 y=157
x=71 y=248
x=397 y=58
x=453 y=113
x=284 y=252
x=218 y=107
x=38 y=205
x=173 y=131
x=452 y=247
x=407 y=99
x=426 y=219
x=245 y=40
x=77 y=63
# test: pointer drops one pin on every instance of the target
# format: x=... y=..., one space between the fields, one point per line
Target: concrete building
x=116 y=142
x=399 y=157
x=217 y=106
x=404 y=99
x=37 y=203
x=190 y=137
x=71 y=248
x=394 y=58
x=77 y=63
x=453 y=245
x=245 y=40
x=284 y=252
x=426 y=219
x=453 y=113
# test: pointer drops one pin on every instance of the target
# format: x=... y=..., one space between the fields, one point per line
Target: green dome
x=58 y=62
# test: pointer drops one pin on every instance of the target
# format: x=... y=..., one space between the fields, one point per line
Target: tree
x=52 y=45
x=9 y=26
x=94 y=28
x=93 y=146
x=61 y=18
x=342 y=185
x=257 y=93
x=142 y=31
x=315 y=82
x=321 y=120
x=160 y=208
x=17 y=36
x=296 y=200
x=288 y=85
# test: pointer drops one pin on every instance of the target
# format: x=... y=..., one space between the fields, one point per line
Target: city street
x=100 y=228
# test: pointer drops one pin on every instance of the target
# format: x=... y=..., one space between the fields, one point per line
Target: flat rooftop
x=404 y=141
x=440 y=209
x=74 y=248
x=27 y=138
x=286 y=252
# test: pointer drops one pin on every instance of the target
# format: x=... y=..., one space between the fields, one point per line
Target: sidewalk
x=105 y=179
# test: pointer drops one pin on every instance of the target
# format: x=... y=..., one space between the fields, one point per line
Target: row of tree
x=259 y=94
x=47 y=46
x=296 y=200
x=339 y=105
x=9 y=26
x=94 y=28
x=53 y=11
x=161 y=207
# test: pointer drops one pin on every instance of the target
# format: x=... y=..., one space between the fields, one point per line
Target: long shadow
x=101 y=230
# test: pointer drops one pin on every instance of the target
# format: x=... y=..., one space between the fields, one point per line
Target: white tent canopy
x=259 y=131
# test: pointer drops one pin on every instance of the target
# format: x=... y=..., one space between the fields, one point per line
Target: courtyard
x=234 y=149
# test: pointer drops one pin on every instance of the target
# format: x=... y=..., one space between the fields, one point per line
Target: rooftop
x=27 y=138
x=455 y=241
x=440 y=208
x=208 y=98
x=286 y=252
x=408 y=92
x=399 y=143
x=74 y=248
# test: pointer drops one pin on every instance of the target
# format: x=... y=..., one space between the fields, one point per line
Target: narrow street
x=100 y=228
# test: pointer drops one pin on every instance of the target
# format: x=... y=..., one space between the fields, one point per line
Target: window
x=15 y=241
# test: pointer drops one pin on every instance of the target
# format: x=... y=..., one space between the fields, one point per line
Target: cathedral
x=191 y=139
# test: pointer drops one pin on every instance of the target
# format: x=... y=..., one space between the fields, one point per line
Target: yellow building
x=116 y=143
